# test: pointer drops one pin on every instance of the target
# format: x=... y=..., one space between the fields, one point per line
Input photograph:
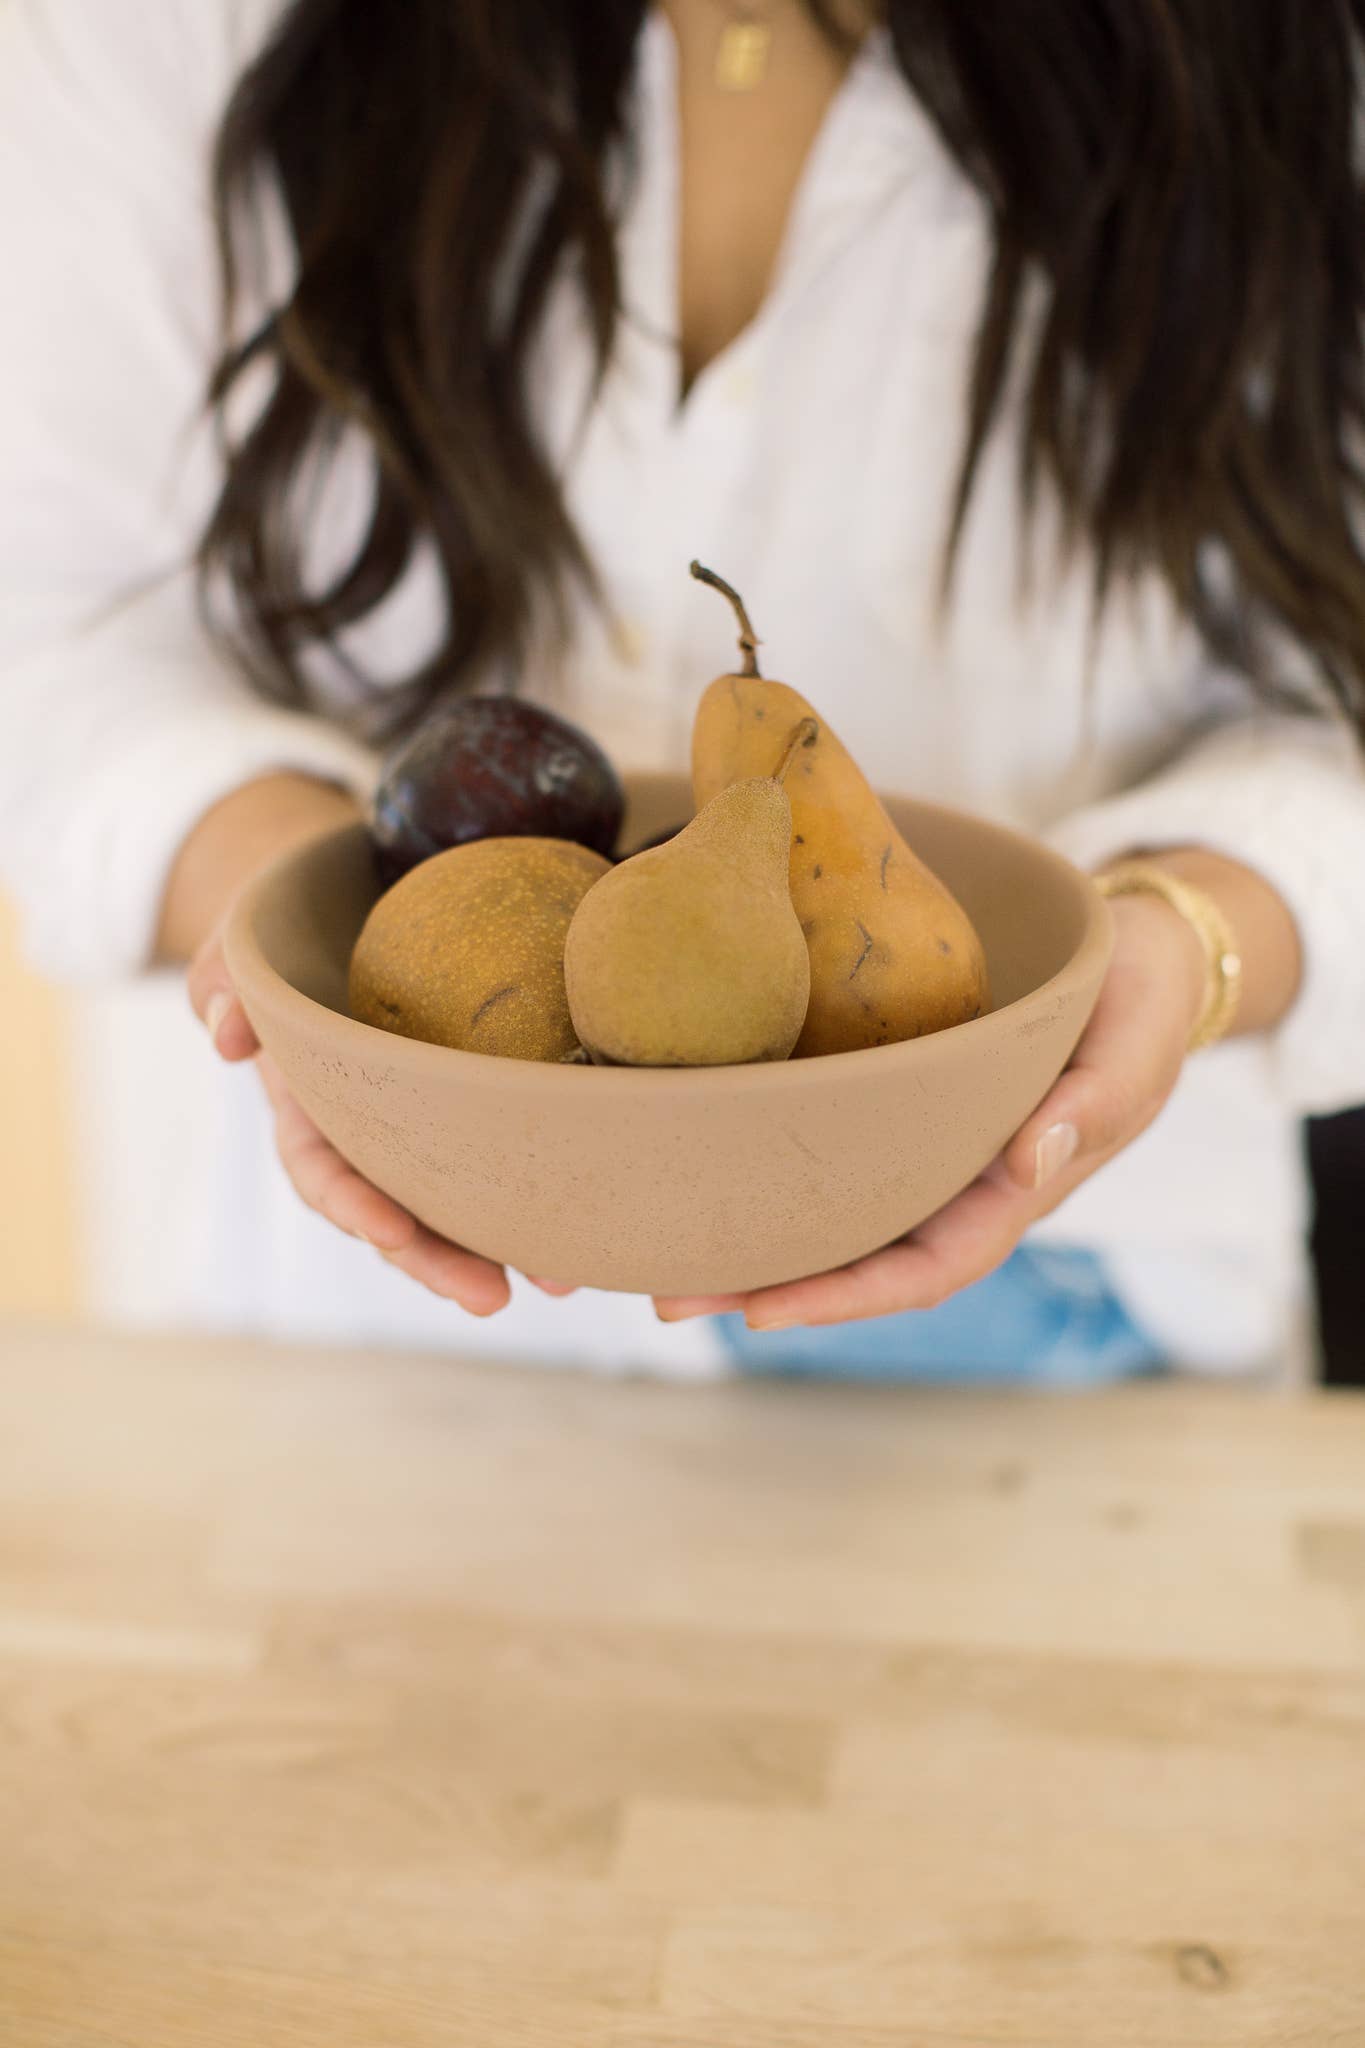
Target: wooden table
x=378 y=1702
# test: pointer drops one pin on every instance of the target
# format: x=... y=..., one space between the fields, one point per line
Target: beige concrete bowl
x=679 y=1181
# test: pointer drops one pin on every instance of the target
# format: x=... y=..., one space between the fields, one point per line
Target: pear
x=893 y=955
x=467 y=950
x=690 y=954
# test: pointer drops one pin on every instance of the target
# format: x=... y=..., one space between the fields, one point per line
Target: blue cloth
x=1048 y=1316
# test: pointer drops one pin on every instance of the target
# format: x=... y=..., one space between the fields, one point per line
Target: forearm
x=1267 y=937
x=265 y=818
x=232 y=842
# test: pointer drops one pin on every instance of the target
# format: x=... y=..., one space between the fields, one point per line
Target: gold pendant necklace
x=742 y=59
x=745 y=40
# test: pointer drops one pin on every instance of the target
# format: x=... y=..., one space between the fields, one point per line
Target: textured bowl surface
x=691 y=1181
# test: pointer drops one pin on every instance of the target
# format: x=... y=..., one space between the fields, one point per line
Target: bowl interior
x=1022 y=899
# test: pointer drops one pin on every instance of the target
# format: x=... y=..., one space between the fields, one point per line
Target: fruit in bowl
x=662 y=1169
x=492 y=768
x=892 y=953
x=790 y=916
x=467 y=948
x=685 y=1180
x=692 y=954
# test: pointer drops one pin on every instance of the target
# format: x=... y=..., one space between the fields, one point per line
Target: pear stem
x=804 y=735
x=748 y=640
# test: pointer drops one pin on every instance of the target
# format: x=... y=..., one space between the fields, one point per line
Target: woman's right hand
x=324 y=1180
x=241 y=834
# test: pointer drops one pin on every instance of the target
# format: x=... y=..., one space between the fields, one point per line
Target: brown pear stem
x=804 y=735
x=748 y=640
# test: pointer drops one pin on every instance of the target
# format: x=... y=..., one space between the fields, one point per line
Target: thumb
x=217 y=1005
x=1125 y=1066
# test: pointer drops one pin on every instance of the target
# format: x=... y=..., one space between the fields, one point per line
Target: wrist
x=241 y=834
x=1265 y=935
x=1172 y=951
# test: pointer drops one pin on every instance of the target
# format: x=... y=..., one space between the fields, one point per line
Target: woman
x=530 y=303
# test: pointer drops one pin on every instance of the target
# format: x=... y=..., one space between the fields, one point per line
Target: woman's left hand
x=1121 y=1073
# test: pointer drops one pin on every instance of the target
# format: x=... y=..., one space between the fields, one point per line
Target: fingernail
x=778 y=1323
x=214 y=1013
x=1056 y=1149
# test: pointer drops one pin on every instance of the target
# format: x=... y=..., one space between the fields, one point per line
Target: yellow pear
x=690 y=954
x=893 y=955
x=467 y=949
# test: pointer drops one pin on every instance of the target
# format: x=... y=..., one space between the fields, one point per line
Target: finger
x=679 y=1308
x=331 y=1186
x=1123 y=1069
x=218 y=1007
x=328 y=1183
x=477 y=1284
x=962 y=1243
x=554 y=1287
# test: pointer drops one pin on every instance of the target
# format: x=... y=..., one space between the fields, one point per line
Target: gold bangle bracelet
x=1224 y=961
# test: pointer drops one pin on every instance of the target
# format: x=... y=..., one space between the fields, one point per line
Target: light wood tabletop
x=357 y=1701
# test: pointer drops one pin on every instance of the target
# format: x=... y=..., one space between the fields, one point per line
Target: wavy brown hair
x=1181 y=174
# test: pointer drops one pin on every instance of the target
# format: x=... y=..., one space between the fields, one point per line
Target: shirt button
x=628 y=642
x=741 y=384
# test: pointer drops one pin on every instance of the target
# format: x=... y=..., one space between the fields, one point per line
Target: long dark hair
x=1180 y=173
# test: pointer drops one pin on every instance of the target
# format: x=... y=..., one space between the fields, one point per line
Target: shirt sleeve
x=120 y=720
x=1284 y=794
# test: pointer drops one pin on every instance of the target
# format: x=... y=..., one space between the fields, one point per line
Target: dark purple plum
x=492 y=768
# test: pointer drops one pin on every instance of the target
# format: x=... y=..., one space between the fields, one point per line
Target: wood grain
x=391 y=1702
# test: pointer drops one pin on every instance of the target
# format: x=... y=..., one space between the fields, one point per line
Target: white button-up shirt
x=812 y=463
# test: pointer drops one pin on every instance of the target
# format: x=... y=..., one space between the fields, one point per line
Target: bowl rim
x=247 y=964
